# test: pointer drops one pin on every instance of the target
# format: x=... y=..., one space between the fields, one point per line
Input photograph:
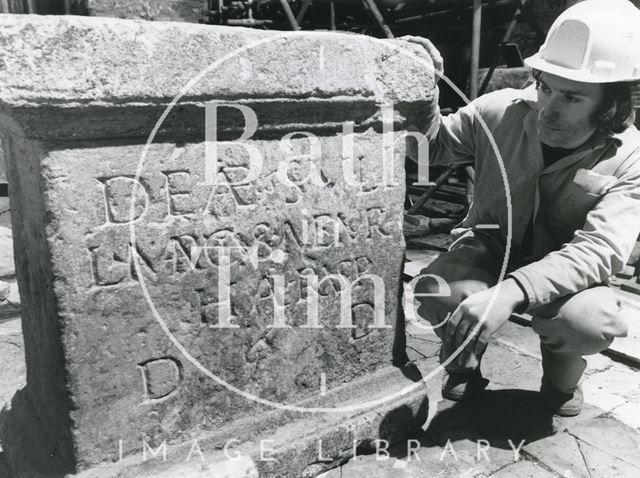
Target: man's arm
x=480 y=315
x=599 y=250
x=452 y=137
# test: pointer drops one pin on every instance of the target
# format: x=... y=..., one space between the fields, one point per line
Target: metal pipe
x=475 y=48
x=303 y=11
x=292 y=19
x=432 y=189
x=333 y=15
x=377 y=16
x=496 y=55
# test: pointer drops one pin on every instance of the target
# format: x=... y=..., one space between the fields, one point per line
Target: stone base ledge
x=291 y=444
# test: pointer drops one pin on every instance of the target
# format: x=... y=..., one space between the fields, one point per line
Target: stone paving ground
x=475 y=439
x=478 y=439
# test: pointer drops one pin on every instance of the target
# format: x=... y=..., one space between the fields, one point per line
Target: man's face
x=565 y=110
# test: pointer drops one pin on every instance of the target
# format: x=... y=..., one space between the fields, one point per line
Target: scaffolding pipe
x=377 y=16
x=303 y=11
x=292 y=19
x=475 y=48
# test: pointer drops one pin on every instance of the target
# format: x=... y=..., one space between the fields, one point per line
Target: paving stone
x=506 y=369
x=602 y=464
x=419 y=349
x=520 y=338
x=14 y=294
x=373 y=466
x=610 y=436
x=13 y=368
x=429 y=460
x=619 y=380
x=523 y=469
x=5 y=219
x=462 y=457
x=10 y=307
x=560 y=453
x=600 y=397
x=334 y=473
x=628 y=413
x=494 y=415
x=5 y=289
x=597 y=363
x=7 y=266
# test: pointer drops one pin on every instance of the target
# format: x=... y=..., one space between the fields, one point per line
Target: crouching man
x=571 y=158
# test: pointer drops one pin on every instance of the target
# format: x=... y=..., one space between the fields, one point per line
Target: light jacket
x=586 y=205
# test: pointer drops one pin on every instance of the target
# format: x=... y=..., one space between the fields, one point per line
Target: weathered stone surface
x=303 y=447
x=135 y=328
x=5 y=213
x=7 y=267
x=117 y=73
x=523 y=469
x=5 y=288
x=3 y=168
x=12 y=372
x=177 y=10
x=610 y=436
x=561 y=453
x=601 y=463
x=629 y=413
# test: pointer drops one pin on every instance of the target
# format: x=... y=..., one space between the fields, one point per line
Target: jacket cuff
x=526 y=287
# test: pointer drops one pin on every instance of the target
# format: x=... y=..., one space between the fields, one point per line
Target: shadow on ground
x=502 y=417
x=494 y=415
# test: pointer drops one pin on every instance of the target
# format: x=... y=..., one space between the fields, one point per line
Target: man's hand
x=438 y=62
x=469 y=314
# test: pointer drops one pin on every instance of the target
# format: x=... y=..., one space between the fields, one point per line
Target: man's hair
x=617 y=112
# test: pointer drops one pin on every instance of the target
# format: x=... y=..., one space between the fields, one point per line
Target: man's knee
x=452 y=277
x=437 y=298
x=432 y=288
x=584 y=323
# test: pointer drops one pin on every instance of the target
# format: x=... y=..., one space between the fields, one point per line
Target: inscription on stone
x=176 y=279
x=160 y=377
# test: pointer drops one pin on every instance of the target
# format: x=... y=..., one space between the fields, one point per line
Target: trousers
x=569 y=327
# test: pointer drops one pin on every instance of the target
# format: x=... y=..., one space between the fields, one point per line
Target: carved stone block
x=172 y=284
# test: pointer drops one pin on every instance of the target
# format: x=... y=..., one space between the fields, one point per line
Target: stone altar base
x=207 y=227
x=293 y=445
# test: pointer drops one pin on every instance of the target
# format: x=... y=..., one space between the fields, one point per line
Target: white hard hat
x=595 y=41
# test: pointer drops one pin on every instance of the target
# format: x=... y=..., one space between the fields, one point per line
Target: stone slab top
x=81 y=61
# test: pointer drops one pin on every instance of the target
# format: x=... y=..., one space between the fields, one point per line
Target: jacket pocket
x=593 y=183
